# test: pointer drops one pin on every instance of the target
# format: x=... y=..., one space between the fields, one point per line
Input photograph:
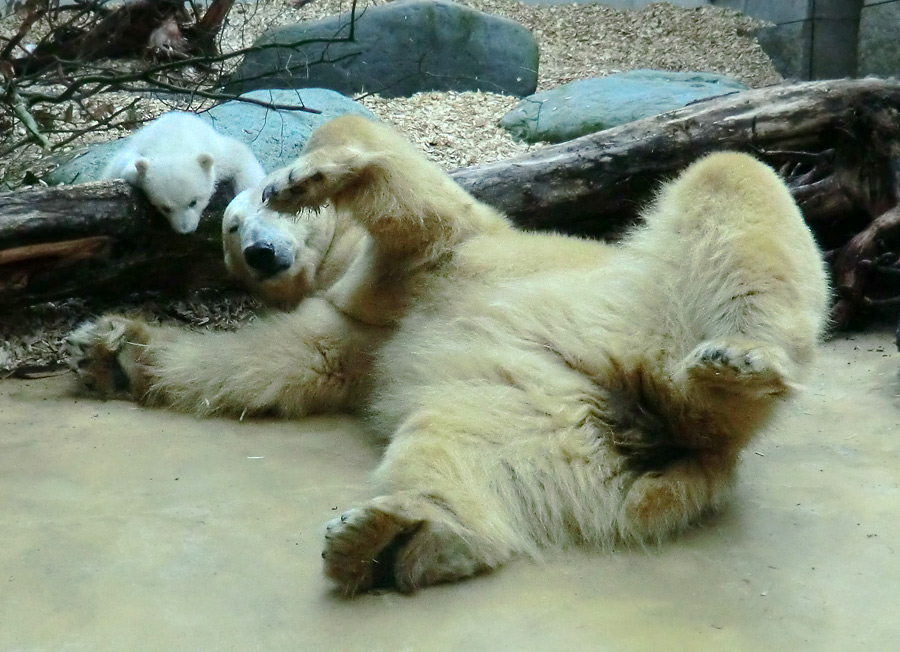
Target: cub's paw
x=105 y=356
x=375 y=547
x=740 y=365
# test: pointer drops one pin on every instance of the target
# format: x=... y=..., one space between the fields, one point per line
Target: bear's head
x=179 y=187
x=275 y=256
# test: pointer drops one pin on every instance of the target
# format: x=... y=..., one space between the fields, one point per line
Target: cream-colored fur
x=537 y=390
x=316 y=249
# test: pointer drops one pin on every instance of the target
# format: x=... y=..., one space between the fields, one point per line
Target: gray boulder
x=275 y=136
x=398 y=49
x=590 y=105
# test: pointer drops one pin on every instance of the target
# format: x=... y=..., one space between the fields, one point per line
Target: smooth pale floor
x=127 y=529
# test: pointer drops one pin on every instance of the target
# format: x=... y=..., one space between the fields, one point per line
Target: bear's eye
x=192 y=204
x=233 y=229
x=164 y=209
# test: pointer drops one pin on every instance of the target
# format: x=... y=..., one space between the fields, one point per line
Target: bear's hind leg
x=735 y=275
x=658 y=504
x=473 y=479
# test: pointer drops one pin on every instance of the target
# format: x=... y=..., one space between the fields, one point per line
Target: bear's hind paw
x=361 y=546
x=742 y=366
x=379 y=547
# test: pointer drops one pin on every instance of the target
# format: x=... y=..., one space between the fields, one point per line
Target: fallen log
x=836 y=143
x=100 y=239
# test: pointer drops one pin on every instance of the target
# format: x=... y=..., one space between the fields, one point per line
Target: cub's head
x=179 y=187
x=275 y=256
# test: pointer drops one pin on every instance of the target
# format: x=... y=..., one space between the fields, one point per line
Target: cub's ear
x=136 y=171
x=206 y=161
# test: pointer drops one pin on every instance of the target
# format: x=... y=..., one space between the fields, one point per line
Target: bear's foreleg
x=367 y=170
x=314 y=359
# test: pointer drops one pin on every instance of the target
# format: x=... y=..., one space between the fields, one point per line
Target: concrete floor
x=125 y=529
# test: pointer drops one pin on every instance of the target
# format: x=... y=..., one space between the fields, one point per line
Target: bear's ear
x=206 y=161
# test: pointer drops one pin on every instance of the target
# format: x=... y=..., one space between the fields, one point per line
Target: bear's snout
x=263 y=259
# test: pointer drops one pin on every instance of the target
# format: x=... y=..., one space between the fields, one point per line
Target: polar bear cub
x=177 y=160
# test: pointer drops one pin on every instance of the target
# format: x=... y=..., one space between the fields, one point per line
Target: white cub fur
x=177 y=160
x=535 y=389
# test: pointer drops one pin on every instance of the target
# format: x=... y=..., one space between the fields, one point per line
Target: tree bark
x=836 y=144
x=100 y=239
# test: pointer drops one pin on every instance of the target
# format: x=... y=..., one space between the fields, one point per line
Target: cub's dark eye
x=164 y=209
x=233 y=229
x=192 y=204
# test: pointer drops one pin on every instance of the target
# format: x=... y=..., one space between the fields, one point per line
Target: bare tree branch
x=66 y=68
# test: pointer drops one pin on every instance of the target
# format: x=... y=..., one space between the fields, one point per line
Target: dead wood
x=100 y=239
x=134 y=29
x=207 y=28
x=836 y=143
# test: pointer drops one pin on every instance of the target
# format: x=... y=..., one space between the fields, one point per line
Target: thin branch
x=219 y=96
x=78 y=86
x=21 y=110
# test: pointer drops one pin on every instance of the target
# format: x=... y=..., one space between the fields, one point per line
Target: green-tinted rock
x=398 y=49
x=590 y=105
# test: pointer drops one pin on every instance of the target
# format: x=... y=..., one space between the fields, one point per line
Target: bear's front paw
x=105 y=356
x=740 y=365
x=301 y=185
x=318 y=176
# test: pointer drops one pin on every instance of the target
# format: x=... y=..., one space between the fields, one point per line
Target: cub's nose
x=261 y=257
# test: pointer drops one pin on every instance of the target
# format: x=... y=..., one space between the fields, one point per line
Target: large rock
x=277 y=136
x=398 y=49
x=274 y=136
x=590 y=105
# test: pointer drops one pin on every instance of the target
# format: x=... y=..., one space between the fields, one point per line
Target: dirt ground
x=133 y=529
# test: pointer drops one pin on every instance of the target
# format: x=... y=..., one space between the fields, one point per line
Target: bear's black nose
x=261 y=257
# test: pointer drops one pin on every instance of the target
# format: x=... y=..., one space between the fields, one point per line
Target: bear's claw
x=292 y=189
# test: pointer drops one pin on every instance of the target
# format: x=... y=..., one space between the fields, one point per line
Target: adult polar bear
x=537 y=390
